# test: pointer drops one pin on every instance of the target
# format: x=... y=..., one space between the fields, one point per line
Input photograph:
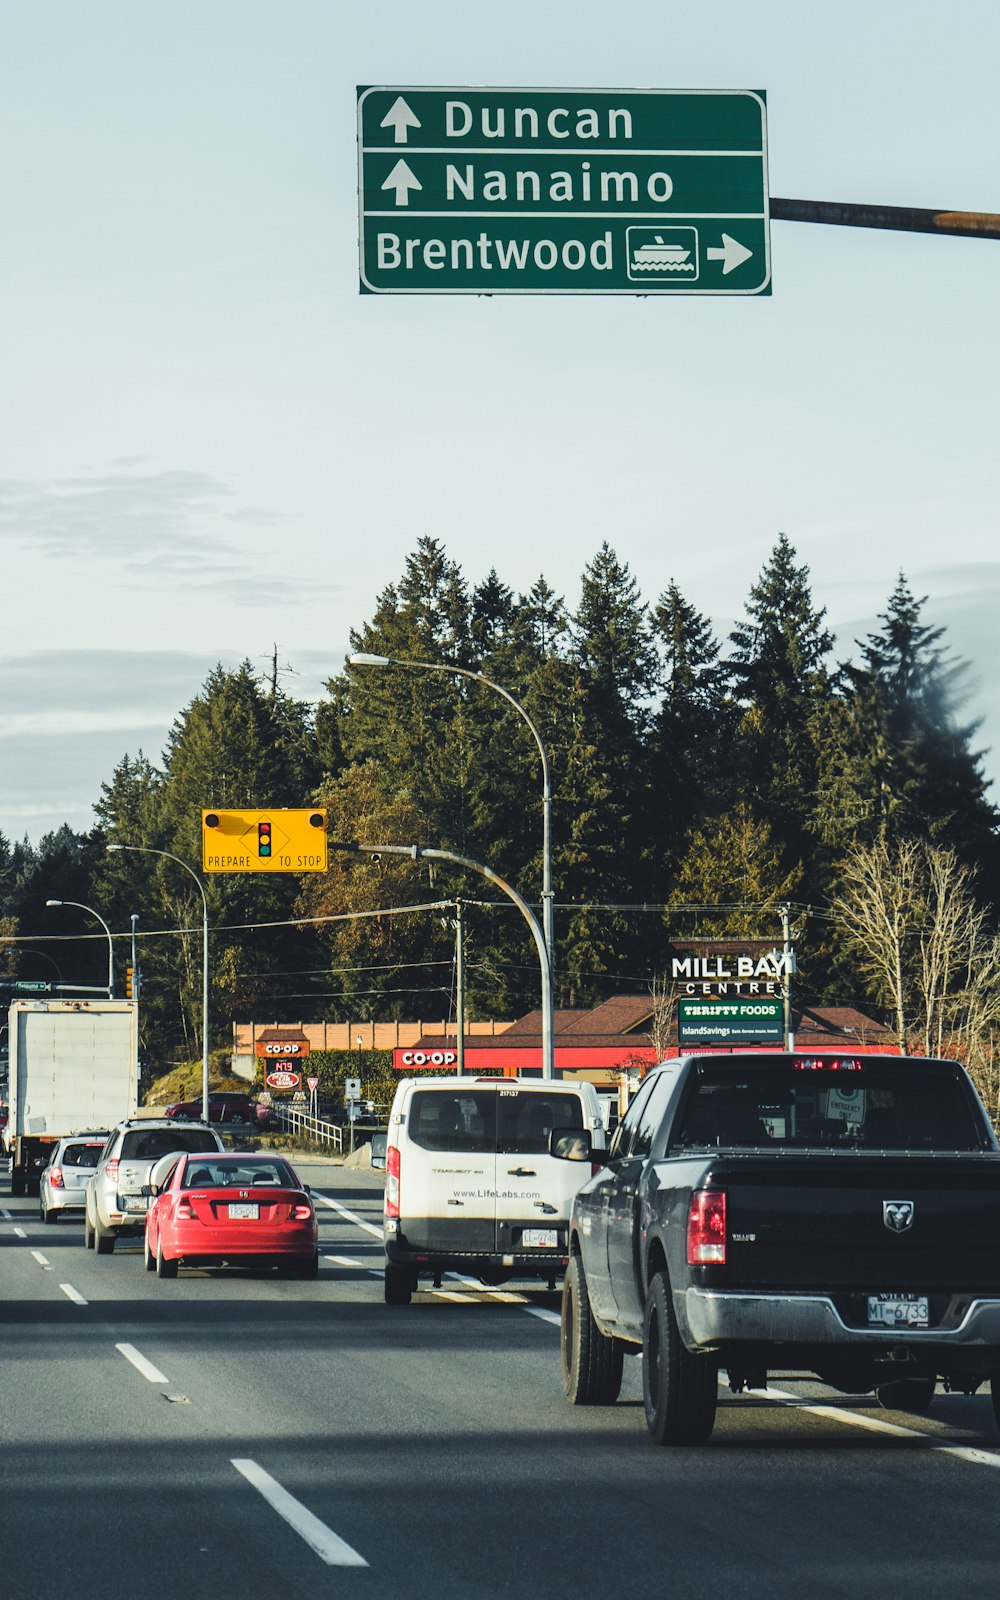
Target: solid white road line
x=352 y=1216
x=140 y=1363
x=348 y=1261
x=73 y=1294
x=43 y=1261
x=329 y=1546
x=546 y=1315
x=856 y=1419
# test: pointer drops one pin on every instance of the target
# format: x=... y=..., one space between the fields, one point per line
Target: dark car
x=234 y=1108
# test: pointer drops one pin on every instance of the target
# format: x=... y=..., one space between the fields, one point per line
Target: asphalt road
x=236 y=1434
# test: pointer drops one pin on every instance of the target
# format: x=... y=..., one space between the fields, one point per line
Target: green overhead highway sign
x=563 y=191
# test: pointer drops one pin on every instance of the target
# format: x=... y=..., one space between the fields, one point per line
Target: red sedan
x=237 y=1210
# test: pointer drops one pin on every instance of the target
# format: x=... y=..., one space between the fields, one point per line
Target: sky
x=212 y=445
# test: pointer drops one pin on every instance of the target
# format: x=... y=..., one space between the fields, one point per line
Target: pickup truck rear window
x=895 y=1106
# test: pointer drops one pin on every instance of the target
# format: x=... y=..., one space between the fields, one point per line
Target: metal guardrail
x=310 y=1127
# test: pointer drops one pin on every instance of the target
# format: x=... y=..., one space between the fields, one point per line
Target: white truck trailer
x=73 y=1069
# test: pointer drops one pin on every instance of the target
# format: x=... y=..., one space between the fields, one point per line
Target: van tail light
x=111 y=1170
x=392 y=1181
x=56 y=1178
x=706 y=1236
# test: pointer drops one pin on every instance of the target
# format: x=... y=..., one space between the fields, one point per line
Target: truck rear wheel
x=679 y=1390
x=906 y=1394
x=17 y=1181
x=400 y=1282
x=591 y=1362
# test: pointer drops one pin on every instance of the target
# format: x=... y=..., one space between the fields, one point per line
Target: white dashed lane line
x=43 y=1261
x=139 y=1362
x=329 y=1546
x=20 y=1233
x=73 y=1294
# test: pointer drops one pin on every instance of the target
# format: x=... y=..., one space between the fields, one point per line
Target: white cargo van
x=472 y=1184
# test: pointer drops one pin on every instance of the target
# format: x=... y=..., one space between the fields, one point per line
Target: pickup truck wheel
x=906 y=1394
x=591 y=1362
x=679 y=1390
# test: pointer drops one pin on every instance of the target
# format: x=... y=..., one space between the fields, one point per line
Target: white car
x=63 y=1183
x=472 y=1184
x=116 y=1203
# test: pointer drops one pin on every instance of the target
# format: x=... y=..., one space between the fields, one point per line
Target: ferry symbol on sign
x=662 y=253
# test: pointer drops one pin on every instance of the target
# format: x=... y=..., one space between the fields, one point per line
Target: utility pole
x=786 y=936
x=459 y=991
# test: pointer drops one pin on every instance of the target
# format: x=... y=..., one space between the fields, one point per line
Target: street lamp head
x=53 y=902
x=116 y=847
x=362 y=659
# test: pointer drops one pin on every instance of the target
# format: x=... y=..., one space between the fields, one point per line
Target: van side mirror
x=378 y=1149
x=571 y=1144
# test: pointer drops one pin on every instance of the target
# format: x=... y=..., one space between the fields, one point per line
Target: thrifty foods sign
x=563 y=191
x=730 y=1022
x=278 y=840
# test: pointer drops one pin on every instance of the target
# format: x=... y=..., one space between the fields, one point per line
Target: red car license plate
x=243 y=1213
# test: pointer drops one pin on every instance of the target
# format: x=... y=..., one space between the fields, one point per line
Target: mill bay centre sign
x=738 y=975
x=563 y=191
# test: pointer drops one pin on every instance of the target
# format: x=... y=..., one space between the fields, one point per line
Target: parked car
x=63 y=1183
x=234 y=1210
x=471 y=1184
x=115 y=1204
x=226 y=1106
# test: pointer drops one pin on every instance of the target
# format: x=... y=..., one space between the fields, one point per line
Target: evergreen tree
x=688 y=743
x=779 y=678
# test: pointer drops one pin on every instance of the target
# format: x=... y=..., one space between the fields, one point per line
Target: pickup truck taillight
x=706 y=1239
x=392 y=1181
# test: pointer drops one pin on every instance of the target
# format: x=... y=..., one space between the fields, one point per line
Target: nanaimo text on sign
x=281 y=839
x=563 y=191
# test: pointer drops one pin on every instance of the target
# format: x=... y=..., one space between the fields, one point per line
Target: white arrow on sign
x=402 y=180
x=732 y=254
x=399 y=118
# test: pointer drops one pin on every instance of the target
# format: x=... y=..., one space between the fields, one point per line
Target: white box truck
x=73 y=1069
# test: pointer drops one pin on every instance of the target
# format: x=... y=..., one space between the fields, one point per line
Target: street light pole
x=363 y=659
x=147 y=850
x=111 y=948
x=417 y=852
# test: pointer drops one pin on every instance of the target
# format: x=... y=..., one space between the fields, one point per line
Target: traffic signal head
x=264 y=839
x=128 y=983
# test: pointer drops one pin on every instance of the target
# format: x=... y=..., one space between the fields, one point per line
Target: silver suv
x=116 y=1205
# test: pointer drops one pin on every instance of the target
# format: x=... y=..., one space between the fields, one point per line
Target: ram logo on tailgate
x=897 y=1215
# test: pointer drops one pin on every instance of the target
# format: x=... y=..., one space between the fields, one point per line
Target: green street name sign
x=730 y=1022
x=563 y=191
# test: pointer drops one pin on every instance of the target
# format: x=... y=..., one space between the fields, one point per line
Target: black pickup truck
x=834 y=1215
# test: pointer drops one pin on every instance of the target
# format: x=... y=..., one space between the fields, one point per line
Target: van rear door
x=448 y=1170
x=534 y=1189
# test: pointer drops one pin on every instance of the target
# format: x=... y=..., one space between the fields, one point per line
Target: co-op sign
x=423 y=1058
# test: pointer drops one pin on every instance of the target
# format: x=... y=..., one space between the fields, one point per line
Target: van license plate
x=898 y=1311
x=243 y=1213
x=539 y=1239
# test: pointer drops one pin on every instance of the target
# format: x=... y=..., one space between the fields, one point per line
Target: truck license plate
x=898 y=1311
x=539 y=1238
x=240 y=1213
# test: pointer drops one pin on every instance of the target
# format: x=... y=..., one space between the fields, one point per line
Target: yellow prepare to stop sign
x=278 y=840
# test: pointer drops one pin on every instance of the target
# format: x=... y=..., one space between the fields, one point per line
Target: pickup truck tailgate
x=880 y=1222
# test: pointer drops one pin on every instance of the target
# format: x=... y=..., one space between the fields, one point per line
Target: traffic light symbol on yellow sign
x=280 y=839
